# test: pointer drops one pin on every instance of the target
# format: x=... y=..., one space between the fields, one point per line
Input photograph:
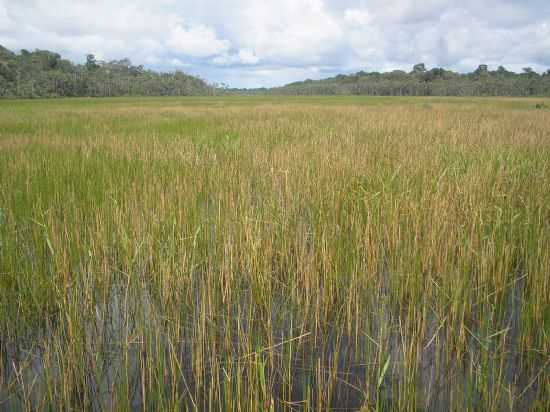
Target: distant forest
x=422 y=82
x=43 y=73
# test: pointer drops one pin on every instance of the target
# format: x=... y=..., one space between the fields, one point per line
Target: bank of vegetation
x=308 y=254
x=42 y=73
x=422 y=82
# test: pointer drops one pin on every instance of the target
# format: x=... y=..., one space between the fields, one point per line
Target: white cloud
x=357 y=17
x=248 y=57
x=287 y=30
x=250 y=42
x=178 y=63
x=5 y=21
x=197 y=41
x=152 y=59
x=244 y=57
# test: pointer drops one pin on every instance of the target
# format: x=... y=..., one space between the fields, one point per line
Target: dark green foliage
x=91 y=63
x=42 y=73
x=419 y=68
x=421 y=82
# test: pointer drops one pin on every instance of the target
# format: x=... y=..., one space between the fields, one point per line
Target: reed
x=274 y=254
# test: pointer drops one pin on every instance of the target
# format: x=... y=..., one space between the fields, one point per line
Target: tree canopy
x=422 y=82
x=42 y=73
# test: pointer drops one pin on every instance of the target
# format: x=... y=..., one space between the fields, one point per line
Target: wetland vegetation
x=263 y=253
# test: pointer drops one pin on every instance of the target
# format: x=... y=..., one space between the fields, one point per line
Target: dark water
x=441 y=382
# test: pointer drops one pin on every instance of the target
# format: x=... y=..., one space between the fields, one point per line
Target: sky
x=265 y=43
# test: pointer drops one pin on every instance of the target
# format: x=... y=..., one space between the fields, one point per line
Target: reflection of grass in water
x=274 y=254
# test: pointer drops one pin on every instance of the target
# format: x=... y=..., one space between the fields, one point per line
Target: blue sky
x=253 y=43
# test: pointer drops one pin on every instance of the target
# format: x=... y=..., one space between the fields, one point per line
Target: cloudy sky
x=251 y=43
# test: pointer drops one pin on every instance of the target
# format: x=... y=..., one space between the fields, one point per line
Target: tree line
x=42 y=73
x=421 y=82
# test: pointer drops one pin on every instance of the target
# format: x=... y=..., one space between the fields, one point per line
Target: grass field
x=255 y=254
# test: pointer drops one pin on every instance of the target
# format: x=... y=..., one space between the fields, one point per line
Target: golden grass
x=196 y=254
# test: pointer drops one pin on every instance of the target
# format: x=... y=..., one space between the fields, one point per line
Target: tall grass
x=203 y=254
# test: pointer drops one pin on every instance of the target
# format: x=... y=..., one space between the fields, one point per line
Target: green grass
x=267 y=253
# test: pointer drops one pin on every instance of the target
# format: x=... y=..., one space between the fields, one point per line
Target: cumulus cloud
x=5 y=21
x=458 y=35
x=248 y=57
x=291 y=31
x=269 y=42
x=178 y=63
x=197 y=41
x=242 y=57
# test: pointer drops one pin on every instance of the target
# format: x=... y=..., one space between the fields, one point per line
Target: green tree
x=482 y=69
x=419 y=68
x=91 y=62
